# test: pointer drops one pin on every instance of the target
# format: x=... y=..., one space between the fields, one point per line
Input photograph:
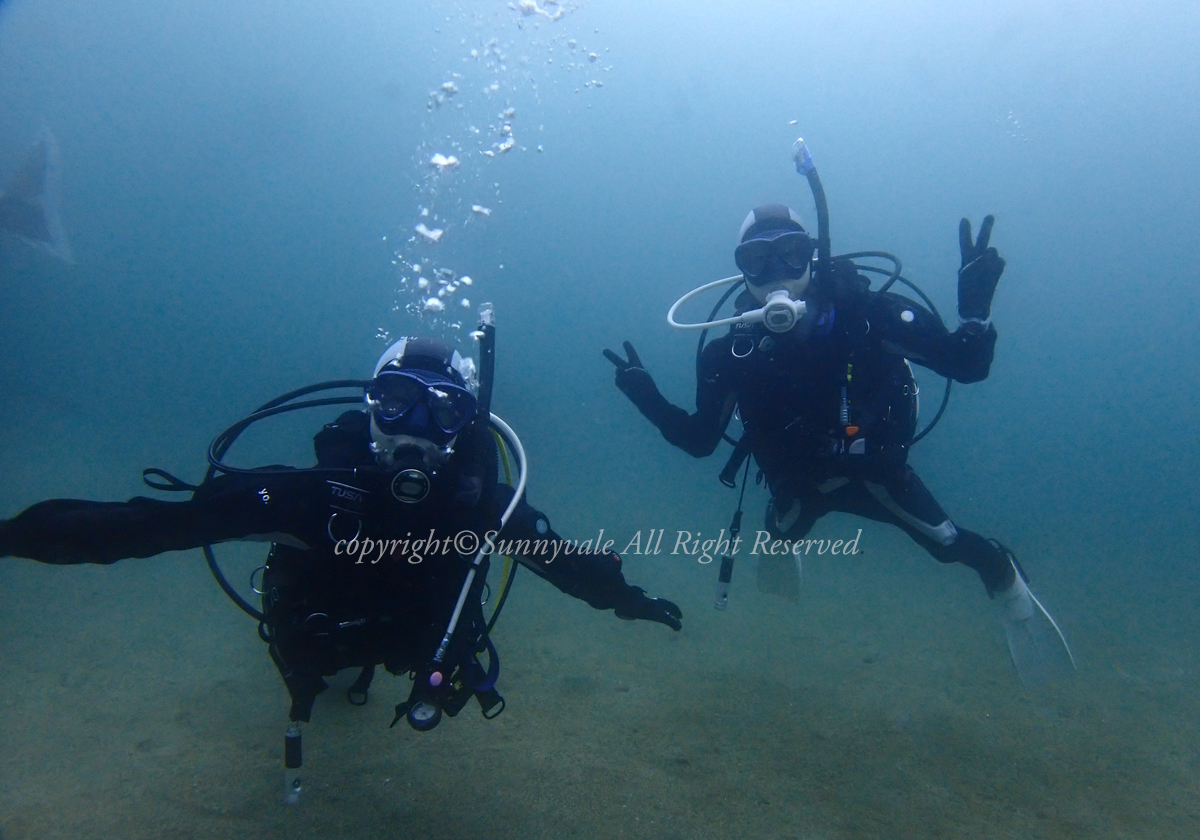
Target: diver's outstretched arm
x=591 y=576
x=697 y=434
x=72 y=531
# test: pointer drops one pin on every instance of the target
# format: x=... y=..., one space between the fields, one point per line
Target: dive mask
x=416 y=402
x=791 y=251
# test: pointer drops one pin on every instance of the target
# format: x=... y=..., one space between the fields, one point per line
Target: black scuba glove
x=634 y=605
x=980 y=272
x=633 y=379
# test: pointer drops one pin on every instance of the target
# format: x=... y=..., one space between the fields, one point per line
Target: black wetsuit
x=328 y=607
x=829 y=412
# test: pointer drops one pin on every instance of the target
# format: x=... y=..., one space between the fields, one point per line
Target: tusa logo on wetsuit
x=346 y=498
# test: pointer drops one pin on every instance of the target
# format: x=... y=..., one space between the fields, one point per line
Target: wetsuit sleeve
x=70 y=531
x=914 y=332
x=697 y=434
x=528 y=538
x=593 y=576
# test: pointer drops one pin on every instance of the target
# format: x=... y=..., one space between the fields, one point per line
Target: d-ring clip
x=329 y=527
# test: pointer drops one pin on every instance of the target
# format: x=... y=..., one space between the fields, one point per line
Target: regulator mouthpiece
x=780 y=313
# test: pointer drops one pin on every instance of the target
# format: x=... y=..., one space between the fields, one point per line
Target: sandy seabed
x=139 y=703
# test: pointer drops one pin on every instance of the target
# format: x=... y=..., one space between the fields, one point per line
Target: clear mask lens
x=451 y=406
x=793 y=251
x=394 y=394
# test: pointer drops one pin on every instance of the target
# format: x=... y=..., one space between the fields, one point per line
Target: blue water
x=240 y=186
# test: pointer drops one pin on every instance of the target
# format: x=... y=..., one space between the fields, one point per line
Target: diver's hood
x=432 y=355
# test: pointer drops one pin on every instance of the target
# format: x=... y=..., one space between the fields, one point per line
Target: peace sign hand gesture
x=633 y=379
x=980 y=272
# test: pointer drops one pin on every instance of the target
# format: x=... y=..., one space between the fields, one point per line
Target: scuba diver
x=816 y=366
x=379 y=553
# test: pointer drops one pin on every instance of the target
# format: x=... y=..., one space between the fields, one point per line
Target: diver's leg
x=790 y=514
x=794 y=509
x=899 y=498
x=904 y=496
x=1039 y=651
x=797 y=502
x=791 y=517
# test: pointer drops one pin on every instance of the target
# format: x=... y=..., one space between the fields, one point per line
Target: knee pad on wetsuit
x=943 y=533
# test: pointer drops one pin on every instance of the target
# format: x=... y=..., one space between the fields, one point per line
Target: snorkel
x=806 y=167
